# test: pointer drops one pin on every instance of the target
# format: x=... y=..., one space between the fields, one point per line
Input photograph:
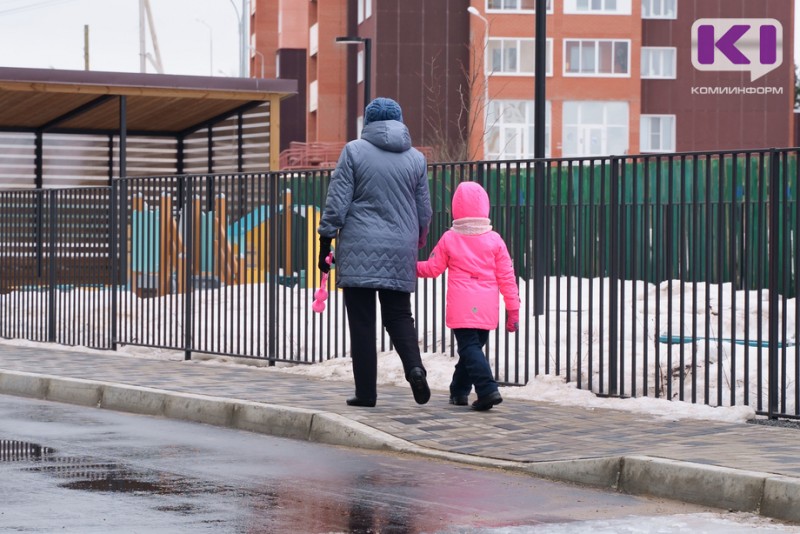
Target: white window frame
x=571 y=7
x=367 y=9
x=647 y=55
x=360 y=68
x=488 y=9
x=508 y=131
x=360 y=11
x=489 y=64
x=597 y=74
x=645 y=134
x=583 y=127
x=647 y=13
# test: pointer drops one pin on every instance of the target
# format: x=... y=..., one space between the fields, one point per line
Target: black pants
x=399 y=323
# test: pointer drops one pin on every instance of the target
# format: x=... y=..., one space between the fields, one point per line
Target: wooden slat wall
x=73 y=160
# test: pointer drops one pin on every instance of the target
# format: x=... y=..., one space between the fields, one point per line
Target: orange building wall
x=264 y=25
x=560 y=88
x=329 y=67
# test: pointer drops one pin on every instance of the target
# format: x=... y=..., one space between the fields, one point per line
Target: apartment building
x=685 y=108
x=623 y=76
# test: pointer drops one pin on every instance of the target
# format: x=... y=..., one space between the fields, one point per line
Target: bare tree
x=470 y=117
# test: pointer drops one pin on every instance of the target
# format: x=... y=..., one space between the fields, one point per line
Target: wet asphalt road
x=71 y=469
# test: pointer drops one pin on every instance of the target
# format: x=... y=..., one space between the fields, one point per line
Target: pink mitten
x=512 y=321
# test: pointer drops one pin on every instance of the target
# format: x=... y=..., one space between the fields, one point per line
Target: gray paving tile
x=517 y=430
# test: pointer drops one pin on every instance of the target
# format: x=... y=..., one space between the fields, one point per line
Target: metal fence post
x=774 y=252
x=613 y=274
x=273 y=194
x=51 y=293
x=114 y=235
x=188 y=284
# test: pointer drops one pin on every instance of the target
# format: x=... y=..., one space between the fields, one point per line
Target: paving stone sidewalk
x=517 y=430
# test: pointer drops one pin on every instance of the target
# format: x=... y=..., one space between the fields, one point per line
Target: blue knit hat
x=383 y=109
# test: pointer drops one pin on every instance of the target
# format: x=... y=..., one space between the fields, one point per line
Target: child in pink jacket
x=480 y=268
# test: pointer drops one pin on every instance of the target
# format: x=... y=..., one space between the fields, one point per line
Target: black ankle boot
x=355 y=401
x=419 y=385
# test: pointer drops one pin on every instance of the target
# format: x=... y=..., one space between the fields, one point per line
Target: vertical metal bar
x=682 y=250
x=761 y=253
x=774 y=229
x=570 y=244
x=272 y=298
x=188 y=267
x=595 y=270
x=646 y=266
x=720 y=279
x=695 y=234
x=785 y=266
x=39 y=182
x=51 y=316
x=123 y=136
x=240 y=142
x=558 y=214
x=708 y=279
x=613 y=278
x=670 y=263
x=734 y=263
x=796 y=278
x=580 y=273
x=747 y=260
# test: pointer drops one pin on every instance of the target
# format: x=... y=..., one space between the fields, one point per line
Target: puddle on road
x=86 y=474
x=125 y=483
x=279 y=506
x=21 y=451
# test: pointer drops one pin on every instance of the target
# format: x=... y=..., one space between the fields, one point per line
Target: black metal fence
x=671 y=276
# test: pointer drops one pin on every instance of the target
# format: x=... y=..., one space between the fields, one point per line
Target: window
x=313 y=39
x=510 y=129
x=659 y=9
x=360 y=73
x=597 y=7
x=364 y=10
x=586 y=57
x=516 y=56
x=515 y=5
x=593 y=128
x=658 y=62
x=313 y=92
x=657 y=133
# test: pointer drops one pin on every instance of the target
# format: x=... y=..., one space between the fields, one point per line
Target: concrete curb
x=731 y=489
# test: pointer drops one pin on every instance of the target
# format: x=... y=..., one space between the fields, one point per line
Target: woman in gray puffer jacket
x=378 y=210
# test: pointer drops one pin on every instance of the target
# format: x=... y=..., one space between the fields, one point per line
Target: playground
x=224 y=251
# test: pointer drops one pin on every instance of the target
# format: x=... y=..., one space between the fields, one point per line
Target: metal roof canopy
x=117 y=103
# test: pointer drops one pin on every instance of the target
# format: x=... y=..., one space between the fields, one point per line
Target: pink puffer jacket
x=480 y=267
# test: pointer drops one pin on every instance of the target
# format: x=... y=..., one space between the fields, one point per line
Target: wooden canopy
x=44 y=101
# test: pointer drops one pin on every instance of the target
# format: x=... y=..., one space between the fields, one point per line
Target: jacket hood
x=388 y=135
x=470 y=200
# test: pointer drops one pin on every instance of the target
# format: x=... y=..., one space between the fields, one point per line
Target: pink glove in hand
x=512 y=321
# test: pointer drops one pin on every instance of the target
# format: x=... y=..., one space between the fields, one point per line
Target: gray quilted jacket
x=378 y=209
